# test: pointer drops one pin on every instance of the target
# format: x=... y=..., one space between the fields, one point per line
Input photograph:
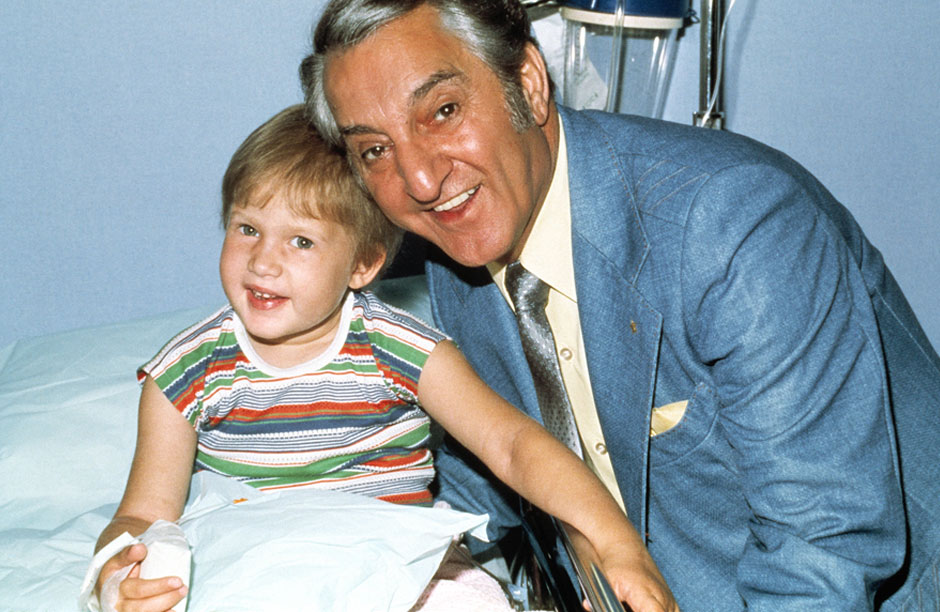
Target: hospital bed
x=68 y=406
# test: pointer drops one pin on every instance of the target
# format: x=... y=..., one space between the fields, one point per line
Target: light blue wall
x=117 y=120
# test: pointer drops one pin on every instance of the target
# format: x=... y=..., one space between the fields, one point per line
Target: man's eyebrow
x=441 y=76
x=433 y=81
x=352 y=130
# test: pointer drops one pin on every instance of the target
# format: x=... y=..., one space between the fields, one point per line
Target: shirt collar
x=547 y=251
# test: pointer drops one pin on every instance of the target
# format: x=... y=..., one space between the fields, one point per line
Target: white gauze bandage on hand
x=168 y=554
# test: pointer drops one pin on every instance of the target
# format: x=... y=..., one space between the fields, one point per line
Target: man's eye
x=301 y=243
x=247 y=230
x=373 y=153
x=446 y=111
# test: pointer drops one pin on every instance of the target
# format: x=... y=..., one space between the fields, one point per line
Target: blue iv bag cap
x=646 y=8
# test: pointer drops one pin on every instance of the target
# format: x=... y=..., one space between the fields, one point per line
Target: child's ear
x=364 y=273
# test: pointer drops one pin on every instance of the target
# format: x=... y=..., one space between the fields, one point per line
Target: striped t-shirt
x=347 y=420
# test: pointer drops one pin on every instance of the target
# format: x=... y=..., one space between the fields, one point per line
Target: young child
x=301 y=349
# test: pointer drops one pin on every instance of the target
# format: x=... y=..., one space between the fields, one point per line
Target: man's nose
x=423 y=167
x=264 y=259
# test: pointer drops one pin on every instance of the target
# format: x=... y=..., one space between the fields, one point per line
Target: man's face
x=427 y=128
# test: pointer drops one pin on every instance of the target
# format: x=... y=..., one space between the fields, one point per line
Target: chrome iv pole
x=711 y=106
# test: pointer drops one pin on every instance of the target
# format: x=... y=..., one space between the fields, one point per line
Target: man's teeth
x=456 y=200
x=263 y=296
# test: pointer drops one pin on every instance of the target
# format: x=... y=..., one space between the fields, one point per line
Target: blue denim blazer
x=713 y=270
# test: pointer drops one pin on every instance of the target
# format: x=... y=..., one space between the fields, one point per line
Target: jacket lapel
x=621 y=331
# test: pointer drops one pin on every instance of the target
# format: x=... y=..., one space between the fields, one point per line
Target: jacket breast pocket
x=670 y=442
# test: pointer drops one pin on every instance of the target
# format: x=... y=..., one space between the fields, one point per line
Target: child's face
x=286 y=276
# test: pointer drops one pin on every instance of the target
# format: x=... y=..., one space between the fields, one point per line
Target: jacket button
x=601 y=448
x=566 y=353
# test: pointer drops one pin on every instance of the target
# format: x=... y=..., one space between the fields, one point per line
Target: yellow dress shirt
x=547 y=253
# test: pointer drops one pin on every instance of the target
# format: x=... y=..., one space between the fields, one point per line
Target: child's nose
x=264 y=260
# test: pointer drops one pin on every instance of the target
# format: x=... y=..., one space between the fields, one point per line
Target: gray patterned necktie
x=529 y=296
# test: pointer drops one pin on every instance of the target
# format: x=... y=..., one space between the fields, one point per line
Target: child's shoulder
x=378 y=315
x=220 y=321
x=203 y=335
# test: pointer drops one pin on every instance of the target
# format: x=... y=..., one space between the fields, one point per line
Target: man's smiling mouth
x=456 y=201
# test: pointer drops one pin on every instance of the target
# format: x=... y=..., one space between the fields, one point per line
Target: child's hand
x=135 y=594
x=630 y=570
x=638 y=583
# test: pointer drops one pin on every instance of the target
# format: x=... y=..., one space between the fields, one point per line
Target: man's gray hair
x=495 y=31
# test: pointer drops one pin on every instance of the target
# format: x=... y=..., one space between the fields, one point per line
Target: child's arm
x=524 y=455
x=156 y=489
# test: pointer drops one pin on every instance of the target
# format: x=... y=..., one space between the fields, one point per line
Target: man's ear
x=364 y=273
x=534 y=77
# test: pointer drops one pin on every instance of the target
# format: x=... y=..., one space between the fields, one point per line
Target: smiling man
x=441 y=151
x=743 y=372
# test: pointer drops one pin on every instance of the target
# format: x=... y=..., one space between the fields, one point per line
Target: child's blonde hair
x=286 y=156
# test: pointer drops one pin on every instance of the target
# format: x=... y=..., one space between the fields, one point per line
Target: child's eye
x=247 y=230
x=301 y=243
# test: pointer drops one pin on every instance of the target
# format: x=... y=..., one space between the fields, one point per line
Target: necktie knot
x=526 y=290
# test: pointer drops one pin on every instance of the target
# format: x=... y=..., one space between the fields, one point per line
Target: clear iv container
x=617 y=62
